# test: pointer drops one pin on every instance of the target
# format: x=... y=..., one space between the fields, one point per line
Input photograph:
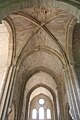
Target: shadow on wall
x=76 y=49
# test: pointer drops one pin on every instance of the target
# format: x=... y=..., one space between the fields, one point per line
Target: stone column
x=55 y=109
x=62 y=116
x=75 y=83
x=68 y=117
x=75 y=90
x=7 y=92
x=6 y=118
x=71 y=92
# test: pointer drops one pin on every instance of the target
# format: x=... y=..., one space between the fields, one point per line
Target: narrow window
x=41 y=113
x=48 y=114
x=34 y=114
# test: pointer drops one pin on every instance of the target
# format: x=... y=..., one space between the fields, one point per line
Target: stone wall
x=10 y=6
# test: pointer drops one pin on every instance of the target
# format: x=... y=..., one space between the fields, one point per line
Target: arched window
x=34 y=114
x=40 y=108
x=41 y=113
x=48 y=114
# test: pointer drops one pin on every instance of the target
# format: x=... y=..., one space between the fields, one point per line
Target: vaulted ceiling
x=40 y=39
x=41 y=48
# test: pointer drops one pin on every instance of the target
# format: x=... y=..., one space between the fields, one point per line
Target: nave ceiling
x=41 y=44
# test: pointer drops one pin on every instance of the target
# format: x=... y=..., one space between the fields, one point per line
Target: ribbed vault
x=40 y=46
x=42 y=49
x=40 y=58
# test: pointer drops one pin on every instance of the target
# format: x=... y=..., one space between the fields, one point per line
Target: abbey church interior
x=39 y=59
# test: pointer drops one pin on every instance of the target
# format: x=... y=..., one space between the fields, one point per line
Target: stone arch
x=40 y=90
x=70 y=79
x=35 y=71
x=35 y=21
x=43 y=49
x=13 y=36
x=7 y=54
x=8 y=66
x=48 y=104
x=30 y=92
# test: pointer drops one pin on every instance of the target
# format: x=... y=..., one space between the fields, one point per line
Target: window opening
x=41 y=113
x=41 y=108
x=48 y=114
x=34 y=114
x=41 y=101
